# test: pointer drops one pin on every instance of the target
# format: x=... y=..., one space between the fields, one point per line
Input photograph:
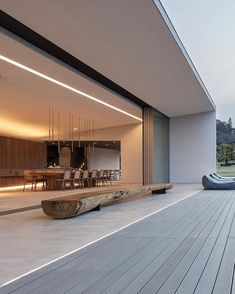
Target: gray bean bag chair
x=210 y=183
x=223 y=178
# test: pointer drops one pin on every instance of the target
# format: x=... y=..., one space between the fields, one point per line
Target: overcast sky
x=207 y=30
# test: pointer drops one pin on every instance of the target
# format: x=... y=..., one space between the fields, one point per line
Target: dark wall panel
x=22 y=154
x=16 y=155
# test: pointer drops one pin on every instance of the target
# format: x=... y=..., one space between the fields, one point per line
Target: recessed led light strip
x=66 y=86
x=14 y=188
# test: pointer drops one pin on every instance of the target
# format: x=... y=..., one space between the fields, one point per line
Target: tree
x=230 y=124
x=222 y=126
x=224 y=153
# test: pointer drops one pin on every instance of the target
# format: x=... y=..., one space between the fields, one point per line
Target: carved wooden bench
x=72 y=205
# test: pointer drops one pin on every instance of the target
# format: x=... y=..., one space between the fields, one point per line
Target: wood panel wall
x=17 y=155
x=22 y=154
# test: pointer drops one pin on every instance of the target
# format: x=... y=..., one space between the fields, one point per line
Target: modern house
x=107 y=73
x=98 y=98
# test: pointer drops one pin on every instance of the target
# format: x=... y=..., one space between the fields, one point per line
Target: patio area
x=182 y=242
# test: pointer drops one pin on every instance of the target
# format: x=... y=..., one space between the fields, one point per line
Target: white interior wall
x=103 y=158
x=131 y=149
x=192 y=147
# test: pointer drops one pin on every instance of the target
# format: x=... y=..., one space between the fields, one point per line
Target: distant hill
x=225 y=132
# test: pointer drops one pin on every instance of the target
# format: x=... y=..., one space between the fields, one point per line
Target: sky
x=207 y=30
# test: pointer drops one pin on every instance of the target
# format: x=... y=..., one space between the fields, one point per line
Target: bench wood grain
x=73 y=205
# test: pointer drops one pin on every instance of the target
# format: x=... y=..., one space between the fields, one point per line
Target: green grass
x=226 y=171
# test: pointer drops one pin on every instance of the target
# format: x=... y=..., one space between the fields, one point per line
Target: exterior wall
x=131 y=149
x=192 y=147
x=160 y=158
x=105 y=159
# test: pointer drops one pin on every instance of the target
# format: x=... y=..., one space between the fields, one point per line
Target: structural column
x=147 y=145
x=155 y=146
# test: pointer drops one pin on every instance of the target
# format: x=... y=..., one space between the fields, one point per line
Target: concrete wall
x=131 y=149
x=192 y=147
x=160 y=154
x=105 y=159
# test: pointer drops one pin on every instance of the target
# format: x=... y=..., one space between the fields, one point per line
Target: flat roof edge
x=175 y=35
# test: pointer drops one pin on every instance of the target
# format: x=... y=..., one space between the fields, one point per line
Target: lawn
x=227 y=171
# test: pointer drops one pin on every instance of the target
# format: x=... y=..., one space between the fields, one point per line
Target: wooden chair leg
x=43 y=183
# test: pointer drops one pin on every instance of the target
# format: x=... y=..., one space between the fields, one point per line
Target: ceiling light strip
x=66 y=86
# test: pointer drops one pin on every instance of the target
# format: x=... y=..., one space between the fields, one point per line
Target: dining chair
x=39 y=177
x=101 y=179
x=28 y=179
x=77 y=178
x=85 y=178
x=66 y=179
x=108 y=177
x=93 y=178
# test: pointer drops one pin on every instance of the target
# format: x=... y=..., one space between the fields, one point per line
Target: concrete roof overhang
x=130 y=42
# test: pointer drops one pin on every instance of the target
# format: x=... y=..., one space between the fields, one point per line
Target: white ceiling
x=127 y=41
x=25 y=98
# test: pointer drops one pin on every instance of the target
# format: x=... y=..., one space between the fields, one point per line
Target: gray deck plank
x=140 y=273
x=232 y=231
x=169 y=246
x=197 y=238
x=60 y=279
x=225 y=277
x=99 y=270
x=95 y=251
x=208 y=277
x=94 y=276
x=186 y=247
x=55 y=265
x=233 y=285
x=193 y=255
x=149 y=252
x=83 y=285
x=169 y=215
x=190 y=280
x=97 y=276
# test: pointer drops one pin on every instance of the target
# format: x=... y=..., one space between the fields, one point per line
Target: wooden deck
x=186 y=248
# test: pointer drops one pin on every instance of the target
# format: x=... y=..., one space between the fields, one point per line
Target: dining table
x=49 y=177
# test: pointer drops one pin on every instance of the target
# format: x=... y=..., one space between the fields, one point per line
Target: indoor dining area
x=61 y=179
x=60 y=132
